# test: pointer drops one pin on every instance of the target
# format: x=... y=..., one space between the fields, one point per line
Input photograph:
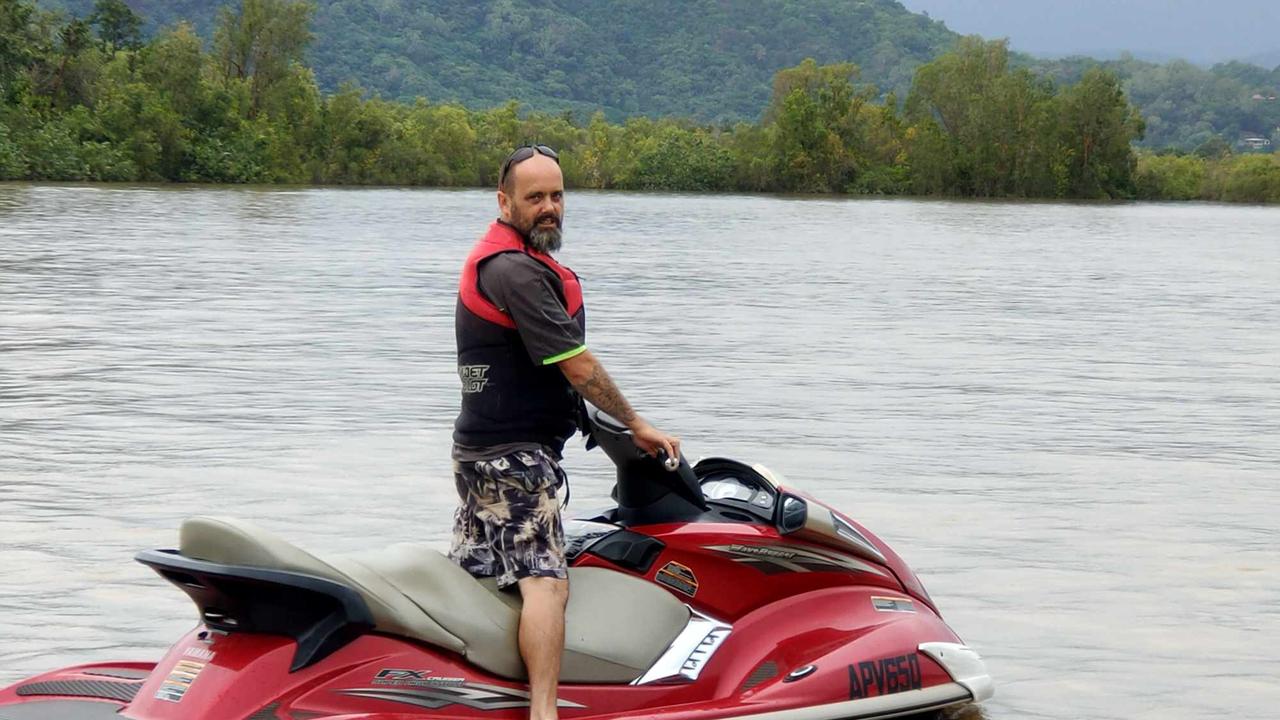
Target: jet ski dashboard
x=737 y=490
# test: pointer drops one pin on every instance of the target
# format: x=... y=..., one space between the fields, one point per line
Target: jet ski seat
x=616 y=625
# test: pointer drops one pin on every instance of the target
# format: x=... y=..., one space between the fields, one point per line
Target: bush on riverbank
x=1244 y=178
x=1248 y=178
x=76 y=107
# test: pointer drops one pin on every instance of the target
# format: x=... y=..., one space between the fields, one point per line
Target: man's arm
x=589 y=378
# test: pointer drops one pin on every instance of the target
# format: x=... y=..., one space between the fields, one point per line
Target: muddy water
x=1066 y=417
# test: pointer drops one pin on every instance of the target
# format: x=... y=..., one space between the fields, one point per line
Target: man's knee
x=544 y=589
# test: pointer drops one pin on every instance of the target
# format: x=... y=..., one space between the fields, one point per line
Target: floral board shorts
x=508 y=521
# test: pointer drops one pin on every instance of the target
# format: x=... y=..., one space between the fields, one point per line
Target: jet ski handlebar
x=670 y=464
x=650 y=489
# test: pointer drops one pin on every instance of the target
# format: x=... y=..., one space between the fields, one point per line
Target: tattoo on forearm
x=601 y=392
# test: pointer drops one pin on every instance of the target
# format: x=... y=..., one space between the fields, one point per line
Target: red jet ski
x=712 y=591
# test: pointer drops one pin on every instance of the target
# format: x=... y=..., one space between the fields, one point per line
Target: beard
x=542 y=238
x=545 y=240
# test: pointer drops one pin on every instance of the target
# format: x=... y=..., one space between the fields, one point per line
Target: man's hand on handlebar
x=650 y=439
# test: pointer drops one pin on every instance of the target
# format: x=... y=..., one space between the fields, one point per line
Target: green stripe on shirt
x=565 y=355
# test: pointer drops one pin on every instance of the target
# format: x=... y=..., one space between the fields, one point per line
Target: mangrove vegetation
x=91 y=99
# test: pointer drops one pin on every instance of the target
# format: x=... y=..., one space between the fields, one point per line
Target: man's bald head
x=531 y=199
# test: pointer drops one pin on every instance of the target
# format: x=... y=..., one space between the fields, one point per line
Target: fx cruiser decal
x=775 y=559
x=472 y=695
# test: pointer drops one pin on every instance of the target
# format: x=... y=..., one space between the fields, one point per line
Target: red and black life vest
x=506 y=396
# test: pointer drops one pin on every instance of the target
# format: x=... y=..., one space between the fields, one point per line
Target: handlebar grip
x=671 y=464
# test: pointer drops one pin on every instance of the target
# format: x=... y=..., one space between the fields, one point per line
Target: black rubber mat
x=121 y=690
x=61 y=710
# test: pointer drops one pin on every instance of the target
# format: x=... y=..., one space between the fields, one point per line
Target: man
x=523 y=361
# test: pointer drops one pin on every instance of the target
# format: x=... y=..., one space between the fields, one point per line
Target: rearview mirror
x=792 y=514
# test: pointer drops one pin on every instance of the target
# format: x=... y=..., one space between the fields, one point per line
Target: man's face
x=535 y=205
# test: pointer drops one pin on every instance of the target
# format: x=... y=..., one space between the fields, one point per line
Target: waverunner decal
x=180 y=680
x=777 y=559
x=679 y=578
x=472 y=695
x=887 y=676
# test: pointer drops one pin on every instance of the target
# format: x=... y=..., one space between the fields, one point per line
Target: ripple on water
x=1063 y=416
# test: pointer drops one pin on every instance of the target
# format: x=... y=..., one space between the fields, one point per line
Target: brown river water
x=1065 y=417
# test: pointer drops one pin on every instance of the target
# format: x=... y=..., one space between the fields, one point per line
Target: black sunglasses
x=521 y=154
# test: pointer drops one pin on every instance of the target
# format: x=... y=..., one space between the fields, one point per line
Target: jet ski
x=710 y=591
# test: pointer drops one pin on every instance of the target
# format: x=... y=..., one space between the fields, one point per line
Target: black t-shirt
x=526 y=290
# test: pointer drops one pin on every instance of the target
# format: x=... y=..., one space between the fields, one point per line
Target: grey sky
x=1198 y=30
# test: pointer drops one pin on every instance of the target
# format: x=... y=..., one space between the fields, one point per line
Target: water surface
x=1065 y=417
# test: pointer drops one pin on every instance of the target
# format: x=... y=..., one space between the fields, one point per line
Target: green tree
x=12 y=165
x=355 y=131
x=17 y=47
x=174 y=63
x=119 y=27
x=447 y=134
x=748 y=145
x=678 y=158
x=1098 y=128
x=982 y=128
x=817 y=114
x=138 y=118
x=497 y=131
x=259 y=43
x=598 y=155
x=69 y=80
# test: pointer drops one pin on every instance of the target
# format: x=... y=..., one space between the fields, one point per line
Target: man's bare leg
x=542 y=641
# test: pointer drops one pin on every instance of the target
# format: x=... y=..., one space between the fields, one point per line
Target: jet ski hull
x=383 y=678
x=713 y=592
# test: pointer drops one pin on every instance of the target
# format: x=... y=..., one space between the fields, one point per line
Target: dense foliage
x=707 y=59
x=1186 y=106
x=87 y=101
x=710 y=60
x=1249 y=178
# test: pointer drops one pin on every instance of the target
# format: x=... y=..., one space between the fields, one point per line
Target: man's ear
x=504 y=206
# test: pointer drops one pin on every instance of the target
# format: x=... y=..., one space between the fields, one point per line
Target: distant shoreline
x=286 y=187
x=973 y=125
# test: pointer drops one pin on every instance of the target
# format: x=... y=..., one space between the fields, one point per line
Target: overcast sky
x=1198 y=30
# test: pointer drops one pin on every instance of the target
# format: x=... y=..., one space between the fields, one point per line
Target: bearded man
x=523 y=361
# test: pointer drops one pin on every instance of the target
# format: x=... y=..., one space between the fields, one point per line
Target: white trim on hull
x=883 y=706
x=965 y=666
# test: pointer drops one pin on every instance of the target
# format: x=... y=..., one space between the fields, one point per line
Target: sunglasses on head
x=521 y=154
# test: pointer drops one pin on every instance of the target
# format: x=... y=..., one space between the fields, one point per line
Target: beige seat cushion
x=235 y=542
x=616 y=625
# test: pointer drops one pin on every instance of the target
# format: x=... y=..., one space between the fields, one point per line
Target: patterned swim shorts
x=508 y=521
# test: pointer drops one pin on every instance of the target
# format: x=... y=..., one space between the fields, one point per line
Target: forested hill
x=708 y=60
x=712 y=60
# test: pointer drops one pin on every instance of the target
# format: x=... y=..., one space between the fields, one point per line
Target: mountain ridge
x=710 y=60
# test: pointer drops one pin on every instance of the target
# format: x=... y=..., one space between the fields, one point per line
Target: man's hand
x=588 y=377
x=651 y=439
